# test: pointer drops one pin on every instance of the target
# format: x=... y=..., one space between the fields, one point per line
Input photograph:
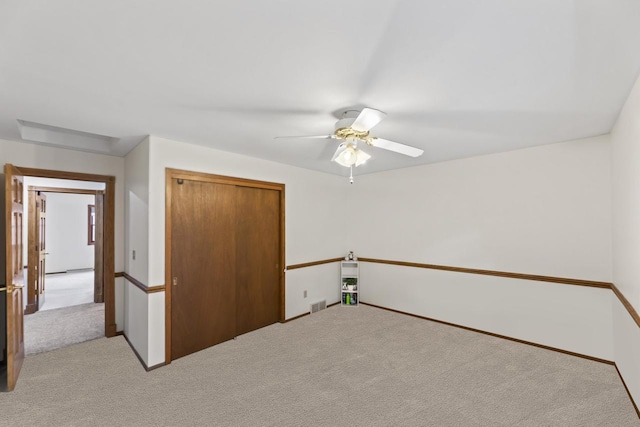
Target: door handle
x=11 y=288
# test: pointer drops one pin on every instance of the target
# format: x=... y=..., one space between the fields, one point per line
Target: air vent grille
x=320 y=305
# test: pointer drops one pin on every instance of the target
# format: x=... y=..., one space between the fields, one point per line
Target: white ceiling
x=456 y=78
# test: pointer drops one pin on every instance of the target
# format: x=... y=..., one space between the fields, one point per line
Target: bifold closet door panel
x=258 y=247
x=203 y=265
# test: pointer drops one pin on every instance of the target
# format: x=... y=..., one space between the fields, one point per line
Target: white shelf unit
x=349 y=283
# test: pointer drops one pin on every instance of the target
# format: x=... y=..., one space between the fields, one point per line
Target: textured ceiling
x=456 y=78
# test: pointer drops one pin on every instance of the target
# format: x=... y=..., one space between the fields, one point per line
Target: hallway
x=67 y=289
x=68 y=315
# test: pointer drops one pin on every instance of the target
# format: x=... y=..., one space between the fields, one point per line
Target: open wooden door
x=14 y=273
x=98 y=265
x=32 y=254
x=41 y=246
x=37 y=250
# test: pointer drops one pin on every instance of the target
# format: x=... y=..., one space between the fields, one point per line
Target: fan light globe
x=351 y=156
x=361 y=157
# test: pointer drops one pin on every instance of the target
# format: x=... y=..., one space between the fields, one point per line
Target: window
x=92 y=225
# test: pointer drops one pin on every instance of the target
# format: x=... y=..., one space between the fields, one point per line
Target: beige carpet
x=48 y=330
x=339 y=367
x=66 y=289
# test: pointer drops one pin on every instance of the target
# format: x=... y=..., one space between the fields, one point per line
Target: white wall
x=572 y=318
x=49 y=182
x=542 y=210
x=66 y=232
x=136 y=319
x=626 y=236
x=136 y=302
x=626 y=198
x=137 y=212
x=626 y=337
x=321 y=283
x=155 y=341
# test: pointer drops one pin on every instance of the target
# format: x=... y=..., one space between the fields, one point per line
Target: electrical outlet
x=305 y=293
x=133 y=254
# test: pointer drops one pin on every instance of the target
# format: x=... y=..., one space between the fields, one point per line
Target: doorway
x=13 y=291
x=105 y=205
x=61 y=234
x=63 y=305
x=224 y=249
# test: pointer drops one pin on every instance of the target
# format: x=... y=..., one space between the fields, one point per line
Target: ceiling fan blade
x=407 y=150
x=307 y=137
x=367 y=119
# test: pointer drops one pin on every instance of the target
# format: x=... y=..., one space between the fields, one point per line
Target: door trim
x=171 y=174
x=108 y=274
x=31 y=307
x=64 y=190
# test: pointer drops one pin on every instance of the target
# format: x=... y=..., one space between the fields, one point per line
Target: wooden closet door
x=258 y=246
x=203 y=265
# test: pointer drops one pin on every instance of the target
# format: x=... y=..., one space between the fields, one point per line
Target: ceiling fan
x=354 y=126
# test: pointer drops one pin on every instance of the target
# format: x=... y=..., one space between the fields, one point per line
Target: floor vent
x=320 y=305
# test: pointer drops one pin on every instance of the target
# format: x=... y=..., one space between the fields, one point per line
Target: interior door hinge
x=174 y=281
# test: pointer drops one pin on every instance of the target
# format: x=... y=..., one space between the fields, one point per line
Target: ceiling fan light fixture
x=351 y=156
x=354 y=127
x=361 y=157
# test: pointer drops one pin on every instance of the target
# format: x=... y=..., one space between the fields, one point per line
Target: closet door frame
x=171 y=174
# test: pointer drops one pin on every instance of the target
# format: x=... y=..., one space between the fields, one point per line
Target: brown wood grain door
x=14 y=206
x=41 y=246
x=98 y=248
x=258 y=246
x=203 y=265
x=32 y=254
x=36 y=250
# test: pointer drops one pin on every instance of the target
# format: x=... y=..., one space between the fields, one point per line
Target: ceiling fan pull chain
x=351 y=176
